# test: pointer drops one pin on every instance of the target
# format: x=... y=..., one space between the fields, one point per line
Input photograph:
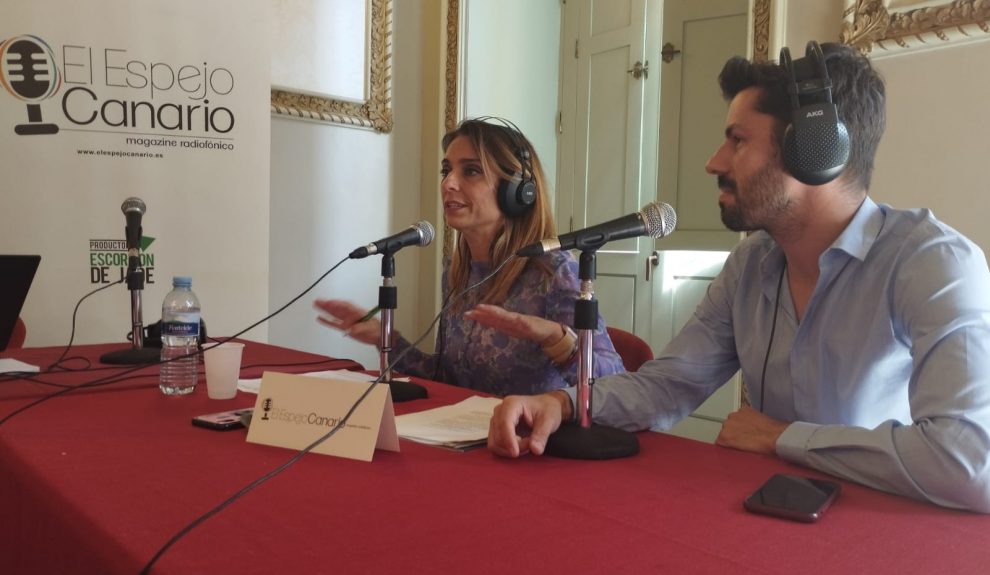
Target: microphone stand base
x=572 y=441
x=406 y=391
x=132 y=356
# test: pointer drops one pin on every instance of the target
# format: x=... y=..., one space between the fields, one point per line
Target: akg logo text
x=175 y=97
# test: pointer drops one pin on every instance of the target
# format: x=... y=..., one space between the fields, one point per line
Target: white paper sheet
x=8 y=365
x=457 y=426
x=252 y=385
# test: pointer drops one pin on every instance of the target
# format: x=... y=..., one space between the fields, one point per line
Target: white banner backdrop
x=164 y=101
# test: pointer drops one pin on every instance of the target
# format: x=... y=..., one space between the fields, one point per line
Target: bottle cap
x=181 y=281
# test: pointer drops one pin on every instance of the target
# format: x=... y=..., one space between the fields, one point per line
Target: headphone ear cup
x=515 y=196
x=816 y=144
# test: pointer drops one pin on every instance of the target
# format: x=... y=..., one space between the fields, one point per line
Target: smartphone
x=792 y=497
x=224 y=420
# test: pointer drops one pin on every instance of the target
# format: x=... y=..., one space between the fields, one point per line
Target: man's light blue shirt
x=886 y=378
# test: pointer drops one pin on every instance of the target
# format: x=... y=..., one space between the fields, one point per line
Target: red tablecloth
x=97 y=481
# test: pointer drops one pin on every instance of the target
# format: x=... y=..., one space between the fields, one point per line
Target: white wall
x=511 y=67
x=335 y=188
x=934 y=151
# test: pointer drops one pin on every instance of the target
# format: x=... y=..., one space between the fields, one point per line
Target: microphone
x=421 y=234
x=133 y=209
x=655 y=220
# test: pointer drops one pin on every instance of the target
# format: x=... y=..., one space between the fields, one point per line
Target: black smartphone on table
x=224 y=420
x=792 y=497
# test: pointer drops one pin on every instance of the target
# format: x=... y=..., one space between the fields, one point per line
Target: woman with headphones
x=511 y=334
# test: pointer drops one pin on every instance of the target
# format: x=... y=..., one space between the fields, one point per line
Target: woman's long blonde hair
x=501 y=149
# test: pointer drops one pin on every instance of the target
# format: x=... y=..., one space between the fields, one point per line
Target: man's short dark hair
x=857 y=91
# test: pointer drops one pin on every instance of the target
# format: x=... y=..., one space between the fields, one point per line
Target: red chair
x=632 y=349
x=17 y=337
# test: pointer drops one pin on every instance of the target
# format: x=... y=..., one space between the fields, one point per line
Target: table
x=98 y=480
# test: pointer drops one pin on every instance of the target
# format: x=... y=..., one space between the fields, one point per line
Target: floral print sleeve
x=490 y=361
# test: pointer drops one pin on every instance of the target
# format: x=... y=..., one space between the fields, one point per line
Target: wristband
x=564 y=348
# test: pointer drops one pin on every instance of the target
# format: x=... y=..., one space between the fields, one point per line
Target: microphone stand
x=583 y=439
x=137 y=353
x=388 y=301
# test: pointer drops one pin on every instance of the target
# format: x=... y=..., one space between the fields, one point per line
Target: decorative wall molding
x=374 y=113
x=761 y=30
x=451 y=83
x=451 y=112
x=885 y=27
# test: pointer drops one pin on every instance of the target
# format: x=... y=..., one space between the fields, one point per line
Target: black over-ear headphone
x=816 y=143
x=517 y=194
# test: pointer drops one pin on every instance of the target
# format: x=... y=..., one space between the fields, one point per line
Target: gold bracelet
x=564 y=348
x=566 y=357
x=557 y=347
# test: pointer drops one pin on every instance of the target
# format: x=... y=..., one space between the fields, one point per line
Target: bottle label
x=180 y=328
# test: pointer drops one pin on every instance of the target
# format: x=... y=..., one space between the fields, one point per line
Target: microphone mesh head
x=660 y=219
x=426 y=232
x=132 y=205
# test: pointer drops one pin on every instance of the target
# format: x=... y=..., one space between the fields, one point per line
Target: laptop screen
x=16 y=275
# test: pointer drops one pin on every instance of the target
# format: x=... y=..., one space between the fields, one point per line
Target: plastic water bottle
x=180 y=336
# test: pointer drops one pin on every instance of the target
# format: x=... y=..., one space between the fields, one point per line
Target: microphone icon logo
x=28 y=72
x=267 y=406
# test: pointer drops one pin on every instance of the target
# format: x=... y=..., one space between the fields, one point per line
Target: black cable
x=110 y=379
x=773 y=329
x=10 y=376
x=72 y=333
x=341 y=423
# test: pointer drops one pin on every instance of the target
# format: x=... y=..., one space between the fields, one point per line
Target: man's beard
x=763 y=201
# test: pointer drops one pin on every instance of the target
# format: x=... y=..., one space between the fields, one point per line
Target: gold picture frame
x=880 y=27
x=374 y=113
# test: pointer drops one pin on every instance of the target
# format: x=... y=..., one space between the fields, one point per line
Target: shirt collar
x=861 y=233
x=856 y=240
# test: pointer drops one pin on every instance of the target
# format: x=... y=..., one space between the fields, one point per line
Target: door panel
x=611 y=163
x=682 y=284
x=613 y=124
x=618 y=308
x=692 y=115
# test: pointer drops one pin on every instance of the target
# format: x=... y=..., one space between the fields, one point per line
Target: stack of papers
x=459 y=426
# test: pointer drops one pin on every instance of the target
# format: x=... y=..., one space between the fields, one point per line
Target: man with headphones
x=862 y=331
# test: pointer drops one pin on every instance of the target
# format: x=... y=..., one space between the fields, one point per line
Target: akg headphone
x=816 y=143
x=517 y=194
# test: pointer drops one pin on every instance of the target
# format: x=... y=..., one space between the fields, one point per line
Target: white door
x=609 y=118
x=610 y=153
x=698 y=38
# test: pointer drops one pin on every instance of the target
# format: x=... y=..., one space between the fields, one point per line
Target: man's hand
x=750 y=430
x=523 y=423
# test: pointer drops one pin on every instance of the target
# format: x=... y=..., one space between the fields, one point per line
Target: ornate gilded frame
x=375 y=112
x=892 y=26
x=761 y=30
